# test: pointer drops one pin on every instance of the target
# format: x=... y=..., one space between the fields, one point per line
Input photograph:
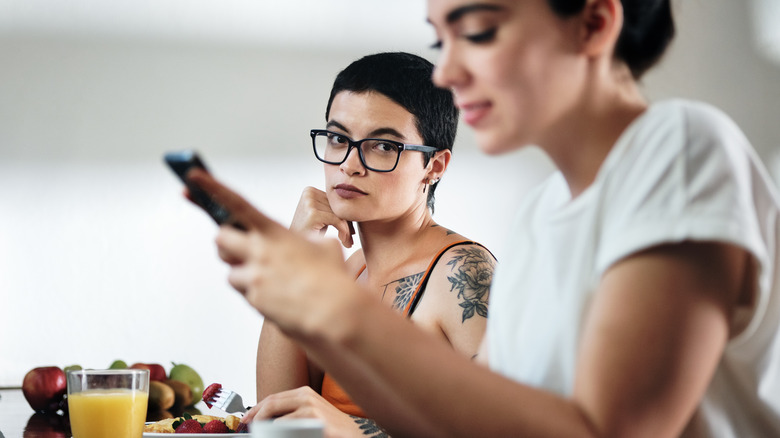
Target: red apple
x=156 y=371
x=44 y=388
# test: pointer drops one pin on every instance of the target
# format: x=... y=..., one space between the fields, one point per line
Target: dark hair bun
x=648 y=28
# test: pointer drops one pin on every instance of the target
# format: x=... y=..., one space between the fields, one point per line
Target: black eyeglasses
x=376 y=154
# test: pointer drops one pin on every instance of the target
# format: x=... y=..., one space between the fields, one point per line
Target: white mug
x=293 y=428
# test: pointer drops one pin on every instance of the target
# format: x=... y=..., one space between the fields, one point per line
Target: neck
x=387 y=244
x=581 y=142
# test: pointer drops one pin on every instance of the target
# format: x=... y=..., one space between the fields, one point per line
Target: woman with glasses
x=641 y=296
x=386 y=144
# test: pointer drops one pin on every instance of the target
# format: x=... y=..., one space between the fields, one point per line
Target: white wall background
x=100 y=256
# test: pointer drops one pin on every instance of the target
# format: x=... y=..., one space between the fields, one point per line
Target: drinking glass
x=108 y=403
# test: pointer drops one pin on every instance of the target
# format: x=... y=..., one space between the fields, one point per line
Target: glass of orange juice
x=108 y=403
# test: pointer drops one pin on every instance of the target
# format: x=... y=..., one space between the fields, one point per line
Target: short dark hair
x=648 y=28
x=407 y=80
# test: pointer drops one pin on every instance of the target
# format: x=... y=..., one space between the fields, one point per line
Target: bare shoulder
x=356 y=261
x=456 y=296
x=463 y=276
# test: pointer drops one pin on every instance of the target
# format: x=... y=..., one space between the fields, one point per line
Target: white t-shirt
x=681 y=171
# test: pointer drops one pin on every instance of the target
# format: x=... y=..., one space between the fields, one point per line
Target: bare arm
x=281 y=363
x=652 y=340
x=656 y=334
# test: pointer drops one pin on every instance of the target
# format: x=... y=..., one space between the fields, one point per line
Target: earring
x=429 y=182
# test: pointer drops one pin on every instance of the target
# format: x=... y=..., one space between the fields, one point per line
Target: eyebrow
x=373 y=134
x=386 y=131
x=333 y=123
x=458 y=13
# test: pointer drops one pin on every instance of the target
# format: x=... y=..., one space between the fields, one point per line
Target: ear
x=438 y=164
x=602 y=21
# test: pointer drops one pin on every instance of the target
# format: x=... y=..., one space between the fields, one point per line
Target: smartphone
x=181 y=162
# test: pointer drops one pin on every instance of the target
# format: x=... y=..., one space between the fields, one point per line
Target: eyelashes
x=477 y=38
x=482 y=37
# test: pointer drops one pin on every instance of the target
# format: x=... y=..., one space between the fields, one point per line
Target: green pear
x=118 y=365
x=185 y=373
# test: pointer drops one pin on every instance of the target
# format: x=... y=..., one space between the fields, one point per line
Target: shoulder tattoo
x=404 y=289
x=472 y=273
x=449 y=232
x=370 y=428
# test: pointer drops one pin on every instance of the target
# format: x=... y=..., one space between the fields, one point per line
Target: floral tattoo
x=472 y=274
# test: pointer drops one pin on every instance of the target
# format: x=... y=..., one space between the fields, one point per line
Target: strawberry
x=189 y=426
x=210 y=393
x=216 y=426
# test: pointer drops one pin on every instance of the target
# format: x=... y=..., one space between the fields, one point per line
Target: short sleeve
x=684 y=174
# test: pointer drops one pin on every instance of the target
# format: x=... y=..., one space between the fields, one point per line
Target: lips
x=348 y=191
x=473 y=112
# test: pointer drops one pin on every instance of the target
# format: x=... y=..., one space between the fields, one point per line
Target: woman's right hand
x=304 y=402
x=265 y=266
x=314 y=215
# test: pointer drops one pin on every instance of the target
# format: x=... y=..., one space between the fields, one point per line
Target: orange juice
x=103 y=413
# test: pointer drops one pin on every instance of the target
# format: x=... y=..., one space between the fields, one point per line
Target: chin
x=347 y=214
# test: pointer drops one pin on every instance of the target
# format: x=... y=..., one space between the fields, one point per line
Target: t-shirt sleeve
x=685 y=174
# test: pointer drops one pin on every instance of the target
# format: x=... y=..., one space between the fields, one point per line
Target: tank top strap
x=360 y=271
x=418 y=293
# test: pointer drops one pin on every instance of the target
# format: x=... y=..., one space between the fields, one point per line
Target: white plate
x=197 y=435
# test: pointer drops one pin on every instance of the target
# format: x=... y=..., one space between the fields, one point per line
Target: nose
x=352 y=164
x=449 y=72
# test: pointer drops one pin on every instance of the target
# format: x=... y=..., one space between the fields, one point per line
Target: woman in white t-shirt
x=641 y=295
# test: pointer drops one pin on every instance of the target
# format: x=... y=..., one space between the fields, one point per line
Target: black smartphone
x=181 y=162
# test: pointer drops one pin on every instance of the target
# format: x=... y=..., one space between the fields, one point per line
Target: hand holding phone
x=181 y=163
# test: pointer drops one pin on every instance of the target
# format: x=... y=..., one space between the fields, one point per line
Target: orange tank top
x=332 y=391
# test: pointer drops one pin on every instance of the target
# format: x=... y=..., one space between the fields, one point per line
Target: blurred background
x=101 y=258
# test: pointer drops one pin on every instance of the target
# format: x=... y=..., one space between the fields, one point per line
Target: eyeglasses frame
x=356 y=145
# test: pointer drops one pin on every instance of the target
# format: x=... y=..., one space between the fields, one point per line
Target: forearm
x=281 y=363
x=414 y=385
